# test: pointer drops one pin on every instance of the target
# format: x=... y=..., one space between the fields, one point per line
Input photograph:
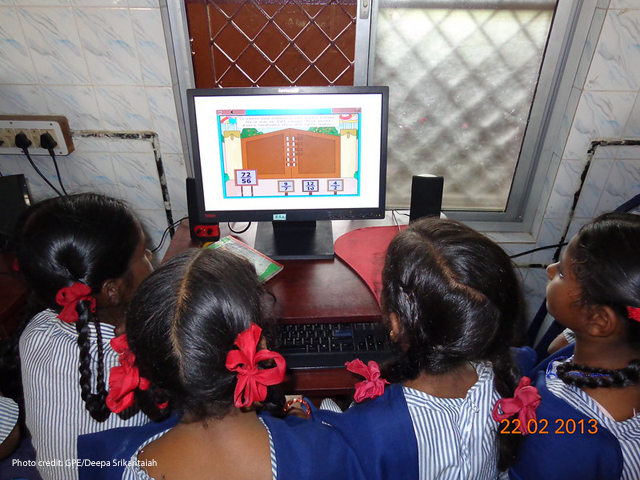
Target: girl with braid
x=452 y=303
x=197 y=354
x=590 y=408
x=83 y=256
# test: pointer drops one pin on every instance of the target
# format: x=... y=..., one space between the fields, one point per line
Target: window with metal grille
x=473 y=82
x=461 y=82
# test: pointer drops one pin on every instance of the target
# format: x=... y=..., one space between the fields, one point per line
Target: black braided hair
x=458 y=300
x=182 y=322
x=593 y=377
x=605 y=258
x=95 y=402
x=506 y=379
x=86 y=238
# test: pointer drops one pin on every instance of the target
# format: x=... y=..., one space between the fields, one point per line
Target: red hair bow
x=252 y=382
x=69 y=297
x=524 y=403
x=125 y=379
x=634 y=313
x=373 y=386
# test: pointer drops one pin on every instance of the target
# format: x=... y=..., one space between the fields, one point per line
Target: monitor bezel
x=292 y=215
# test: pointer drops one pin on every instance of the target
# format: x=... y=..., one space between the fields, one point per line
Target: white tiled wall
x=606 y=94
x=104 y=64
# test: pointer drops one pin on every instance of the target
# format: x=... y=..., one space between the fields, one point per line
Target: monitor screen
x=289 y=154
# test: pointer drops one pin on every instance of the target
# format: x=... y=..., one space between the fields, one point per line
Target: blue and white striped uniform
x=134 y=472
x=627 y=432
x=55 y=413
x=456 y=436
x=9 y=412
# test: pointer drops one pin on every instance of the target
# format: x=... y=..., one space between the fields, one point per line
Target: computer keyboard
x=330 y=345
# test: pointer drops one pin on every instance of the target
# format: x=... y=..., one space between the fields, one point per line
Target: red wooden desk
x=312 y=291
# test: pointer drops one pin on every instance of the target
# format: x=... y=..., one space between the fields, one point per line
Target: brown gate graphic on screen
x=292 y=153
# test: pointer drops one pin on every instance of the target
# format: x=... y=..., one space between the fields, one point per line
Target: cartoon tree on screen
x=325 y=130
x=249 y=132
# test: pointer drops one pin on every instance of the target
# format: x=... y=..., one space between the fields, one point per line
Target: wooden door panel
x=319 y=155
x=265 y=153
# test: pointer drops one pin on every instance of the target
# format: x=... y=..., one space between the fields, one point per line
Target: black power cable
x=238 y=232
x=49 y=143
x=23 y=142
x=164 y=235
x=561 y=244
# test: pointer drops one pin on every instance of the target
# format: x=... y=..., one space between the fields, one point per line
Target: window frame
x=544 y=133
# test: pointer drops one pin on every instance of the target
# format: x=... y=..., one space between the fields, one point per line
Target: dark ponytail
x=458 y=300
x=183 y=321
x=85 y=238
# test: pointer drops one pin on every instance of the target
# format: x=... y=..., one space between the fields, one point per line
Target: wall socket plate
x=33 y=126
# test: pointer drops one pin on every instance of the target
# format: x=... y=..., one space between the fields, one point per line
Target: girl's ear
x=603 y=321
x=113 y=291
x=396 y=328
x=396 y=334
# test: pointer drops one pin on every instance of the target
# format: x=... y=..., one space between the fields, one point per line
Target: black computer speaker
x=426 y=196
x=201 y=230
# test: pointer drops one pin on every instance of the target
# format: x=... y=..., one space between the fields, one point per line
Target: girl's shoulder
x=47 y=338
x=9 y=412
x=391 y=404
x=108 y=453
x=563 y=433
x=41 y=326
x=311 y=449
x=380 y=432
x=46 y=325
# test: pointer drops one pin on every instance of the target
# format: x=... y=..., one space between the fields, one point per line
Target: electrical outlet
x=33 y=126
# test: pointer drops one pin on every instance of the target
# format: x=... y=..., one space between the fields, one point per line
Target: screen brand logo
x=279 y=216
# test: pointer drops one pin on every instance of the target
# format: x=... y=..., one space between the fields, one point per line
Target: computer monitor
x=292 y=159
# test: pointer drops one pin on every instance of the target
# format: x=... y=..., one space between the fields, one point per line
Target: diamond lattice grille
x=255 y=43
x=461 y=83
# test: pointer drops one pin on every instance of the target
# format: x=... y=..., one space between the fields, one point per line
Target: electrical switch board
x=34 y=127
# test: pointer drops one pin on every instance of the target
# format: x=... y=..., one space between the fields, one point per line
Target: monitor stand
x=295 y=240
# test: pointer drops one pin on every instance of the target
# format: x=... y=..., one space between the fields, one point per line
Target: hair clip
x=252 y=381
x=124 y=379
x=68 y=298
x=373 y=386
x=634 y=313
x=524 y=403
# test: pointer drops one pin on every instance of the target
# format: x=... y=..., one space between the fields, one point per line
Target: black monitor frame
x=305 y=233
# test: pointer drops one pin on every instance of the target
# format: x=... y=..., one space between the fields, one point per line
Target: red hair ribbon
x=69 y=297
x=373 y=386
x=252 y=382
x=524 y=403
x=634 y=313
x=125 y=379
